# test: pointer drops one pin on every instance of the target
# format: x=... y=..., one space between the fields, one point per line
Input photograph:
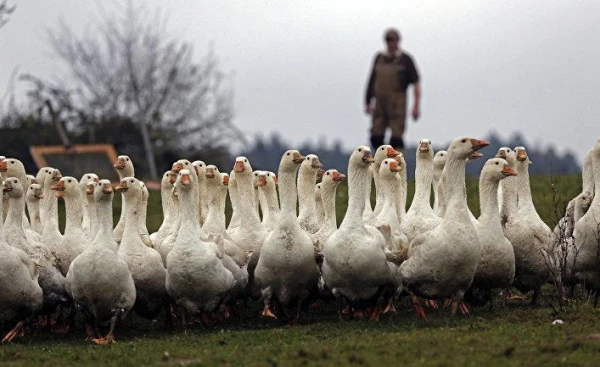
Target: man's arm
x=370 y=88
x=417 y=100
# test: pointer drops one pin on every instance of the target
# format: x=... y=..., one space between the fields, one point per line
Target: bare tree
x=127 y=65
x=5 y=11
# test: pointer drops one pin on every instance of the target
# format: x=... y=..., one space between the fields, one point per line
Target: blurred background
x=212 y=80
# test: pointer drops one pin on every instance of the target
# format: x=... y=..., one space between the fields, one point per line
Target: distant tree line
x=265 y=154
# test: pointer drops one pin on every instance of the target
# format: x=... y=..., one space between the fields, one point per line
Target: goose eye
x=12 y=162
x=359 y=149
x=386 y=162
x=464 y=140
x=69 y=181
x=287 y=154
x=127 y=159
x=442 y=155
x=497 y=163
x=327 y=173
x=245 y=160
x=131 y=181
x=382 y=148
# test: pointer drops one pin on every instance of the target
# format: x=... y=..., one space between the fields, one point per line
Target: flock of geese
x=283 y=245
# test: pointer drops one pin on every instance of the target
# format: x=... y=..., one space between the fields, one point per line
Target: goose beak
x=392 y=153
x=507 y=171
x=368 y=158
x=56 y=176
x=3 y=166
x=185 y=179
x=316 y=163
x=394 y=166
x=60 y=186
x=423 y=148
x=96 y=179
x=320 y=172
x=521 y=155
x=122 y=187
x=298 y=158
x=107 y=189
x=239 y=167
x=177 y=167
x=172 y=177
x=89 y=189
x=501 y=154
x=225 y=180
x=34 y=181
x=398 y=159
x=210 y=173
x=39 y=196
x=478 y=144
x=120 y=164
x=474 y=156
x=262 y=181
x=337 y=177
x=7 y=187
x=275 y=179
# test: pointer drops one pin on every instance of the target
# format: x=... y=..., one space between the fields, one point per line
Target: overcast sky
x=300 y=67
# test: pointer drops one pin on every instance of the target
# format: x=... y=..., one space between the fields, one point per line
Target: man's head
x=392 y=38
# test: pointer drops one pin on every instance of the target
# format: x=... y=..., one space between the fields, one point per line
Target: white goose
x=329 y=184
x=41 y=176
x=200 y=168
x=124 y=167
x=144 y=235
x=356 y=265
x=531 y=238
x=420 y=217
x=20 y=294
x=307 y=207
x=145 y=263
x=319 y=203
x=443 y=261
x=267 y=187
x=383 y=152
x=74 y=239
x=168 y=208
x=33 y=197
x=167 y=244
x=251 y=233
x=51 y=236
x=99 y=279
x=87 y=221
x=439 y=161
x=286 y=269
x=185 y=164
x=196 y=278
x=496 y=267
x=90 y=209
x=234 y=196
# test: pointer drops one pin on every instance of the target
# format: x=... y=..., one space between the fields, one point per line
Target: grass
x=515 y=334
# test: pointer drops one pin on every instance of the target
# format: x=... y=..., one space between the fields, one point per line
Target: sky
x=300 y=67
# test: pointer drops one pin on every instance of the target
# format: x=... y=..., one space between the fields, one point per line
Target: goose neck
x=454 y=187
x=246 y=209
x=328 y=200
x=131 y=237
x=358 y=182
x=306 y=192
x=104 y=226
x=488 y=201
x=587 y=174
x=524 y=189
x=74 y=212
x=187 y=209
x=287 y=190
x=423 y=178
x=14 y=218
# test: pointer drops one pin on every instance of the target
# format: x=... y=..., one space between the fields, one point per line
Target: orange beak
x=60 y=186
x=107 y=189
x=424 y=148
x=298 y=158
x=521 y=155
x=6 y=188
x=120 y=164
x=3 y=166
x=337 y=177
x=507 y=171
x=121 y=187
x=89 y=189
x=225 y=180
x=177 y=167
x=172 y=177
x=239 y=167
x=56 y=176
x=320 y=172
x=185 y=179
x=394 y=166
x=39 y=196
x=275 y=179
x=478 y=144
x=210 y=173
x=316 y=163
x=475 y=155
x=391 y=152
x=367 y=157
x=501 y=154
x=262 y=181
x=34 y=181
x=96 y=179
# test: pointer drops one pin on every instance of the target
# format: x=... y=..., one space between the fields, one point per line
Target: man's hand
x=416 y=112
x=368 y=109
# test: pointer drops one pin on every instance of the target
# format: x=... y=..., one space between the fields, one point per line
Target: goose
x=167 y=244
x=196 y=278
x=496 y=267
x=387 y=221
x=74 y=239
x=50 y=279
x=286 y=269
x=166 y=187
x=235 y=220
x=145 y=263
x=251 y=233
x=307 y=208
x=86 y=221
x=503 y=153
x=355 y=265
x=33 y=197
x=319 y=204
x=124 y=168
x=368 y=213
x=216 y=186
x=402 y=189
x=331 y=180
x=51 y=236
x=90 y=208
x=20 y=294
x=442 y=262
x=255 y=196
x=531 y=238
x=383 y=152
x=40 y=177
x=420 y=217
x=439 y=161
x=99 y=279
x=267 y=183
x=30 y=180
x=144 y=235
x=200 y=168
x=583 y=258
x=185 y=164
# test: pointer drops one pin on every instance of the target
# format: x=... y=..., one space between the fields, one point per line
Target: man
x=393 y=71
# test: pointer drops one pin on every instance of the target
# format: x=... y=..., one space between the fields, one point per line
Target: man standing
x=393 y=71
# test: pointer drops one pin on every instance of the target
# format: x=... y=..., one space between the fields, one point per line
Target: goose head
x=124 y=166
x=88 y=177
x=424 y=149
x=12 y=167
x=389 y=167
x=521 y=154
x=242 y=166
x=130 y=187
x=255 y=177
x=181 y=164
x=200 y=168
x=103 y=191
x=439 y=159
x=271 y=178
x=383 y=152
x=311 y=164
x=261 y=178
x=361 y=157
x=290 y=160
x=145 y=192
x=212 y=174
x=66 y=186
x=34 y=193
x=224 y=179
x=185 y=180
x=13 y=187
x=31 y=180
x=508 y=154
x=90 y=188
x=42 y=174
x=401 y=163
x=584 y=201
x=463 y=148
x=332 y=178
x=165 y=181
x=496 y=169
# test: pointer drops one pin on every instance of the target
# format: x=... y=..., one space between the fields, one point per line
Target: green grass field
x=513 y=334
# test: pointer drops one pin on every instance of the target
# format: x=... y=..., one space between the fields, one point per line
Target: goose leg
x=390 y=306
x=535 y=298
x=267 y=310
x=432 y=303
x=110 y=337
x=17 y=331
x=418 y=308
